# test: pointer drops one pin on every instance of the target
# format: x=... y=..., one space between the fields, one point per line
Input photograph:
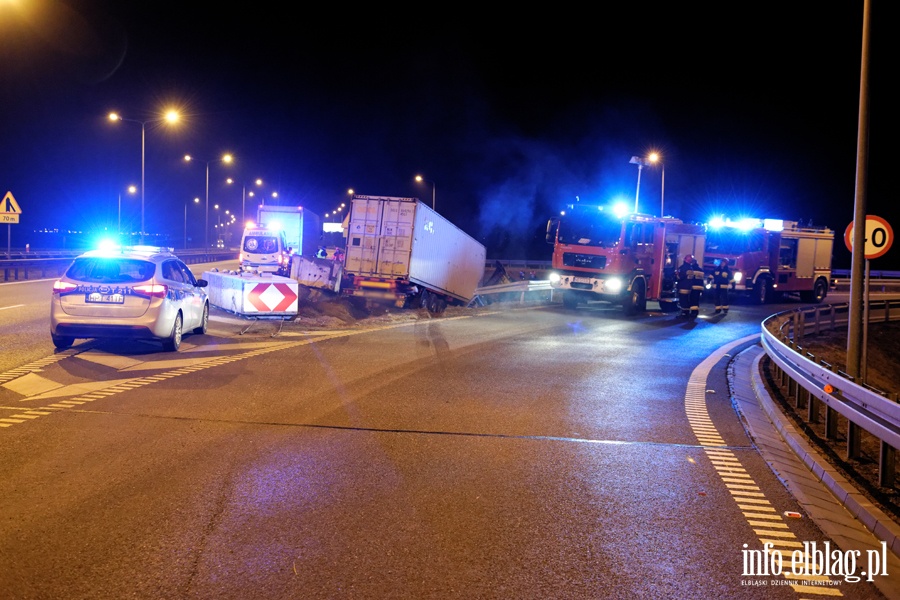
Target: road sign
x=9 y=209
x=879 y=237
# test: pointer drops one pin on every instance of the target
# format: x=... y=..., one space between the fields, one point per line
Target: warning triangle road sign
x=9 y=206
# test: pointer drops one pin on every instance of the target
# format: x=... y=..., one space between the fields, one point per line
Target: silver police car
x=131 y=292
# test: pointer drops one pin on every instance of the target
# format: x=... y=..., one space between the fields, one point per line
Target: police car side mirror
x=202 y=283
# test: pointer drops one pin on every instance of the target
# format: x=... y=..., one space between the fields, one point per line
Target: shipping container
x=400 y=250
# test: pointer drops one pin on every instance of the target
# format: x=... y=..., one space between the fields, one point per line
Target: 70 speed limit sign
x=879 y=237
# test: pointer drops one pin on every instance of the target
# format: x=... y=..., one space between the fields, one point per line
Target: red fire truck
x=625 y=259
x=770 y=258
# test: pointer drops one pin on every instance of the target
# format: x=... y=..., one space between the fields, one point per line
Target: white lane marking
x=13 y=306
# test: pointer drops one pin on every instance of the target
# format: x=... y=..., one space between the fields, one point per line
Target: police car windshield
x=110 y=270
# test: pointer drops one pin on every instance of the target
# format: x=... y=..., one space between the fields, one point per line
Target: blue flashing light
x=620 y=209
x=107 y=245
x=742 y=224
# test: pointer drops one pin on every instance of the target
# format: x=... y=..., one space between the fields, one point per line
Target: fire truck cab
x=770 y=258
x=627 y=259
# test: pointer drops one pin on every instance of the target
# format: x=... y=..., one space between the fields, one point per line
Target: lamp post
x=196 y=201
x=227 y=158
x=244 y=195
x=637 y=160
x=131 y=189
x=655 y=158
x=420 y=179
x=171 y=117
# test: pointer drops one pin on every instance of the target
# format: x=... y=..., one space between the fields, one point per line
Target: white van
x=265 y=251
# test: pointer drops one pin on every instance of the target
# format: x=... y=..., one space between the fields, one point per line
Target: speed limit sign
x=879 y=237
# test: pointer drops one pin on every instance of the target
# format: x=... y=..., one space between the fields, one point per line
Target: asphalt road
x=503 y=452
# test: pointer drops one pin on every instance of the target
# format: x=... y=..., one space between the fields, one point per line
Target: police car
x=131 y=292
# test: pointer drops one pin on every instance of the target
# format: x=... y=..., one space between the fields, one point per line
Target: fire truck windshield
x=589 y=228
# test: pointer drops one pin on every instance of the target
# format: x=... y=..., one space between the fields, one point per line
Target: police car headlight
x=613 y=285
x=738 y=276
x=554 y=277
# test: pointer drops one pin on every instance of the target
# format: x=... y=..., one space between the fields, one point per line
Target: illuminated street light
x=170 y=117
x=244 y=195
x=196 y=201
x=420 y=179
x=654 y=158
x=131 y=190
x=227 y=158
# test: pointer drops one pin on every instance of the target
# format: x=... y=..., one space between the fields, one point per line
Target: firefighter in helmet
x=721 y=283
x=696 y=288
x=685 y=283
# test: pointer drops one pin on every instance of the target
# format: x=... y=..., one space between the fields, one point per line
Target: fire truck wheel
x=636 y=301
x=820 y=291
x=761 y=291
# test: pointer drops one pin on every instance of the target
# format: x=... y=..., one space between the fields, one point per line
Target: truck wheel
x=761 y=291
x=436 y=304
x=636 y=301
x=818 y=293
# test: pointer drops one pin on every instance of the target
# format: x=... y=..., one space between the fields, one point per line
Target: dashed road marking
x=768 y=525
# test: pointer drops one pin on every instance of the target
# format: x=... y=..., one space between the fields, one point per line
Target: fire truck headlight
x=738 y=276
x=613 y=285
x=554 y=277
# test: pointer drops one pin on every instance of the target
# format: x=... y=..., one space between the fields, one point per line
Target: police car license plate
x=98 y=298
x=581 y=279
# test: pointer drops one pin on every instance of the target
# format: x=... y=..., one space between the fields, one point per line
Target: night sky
x=512 y=115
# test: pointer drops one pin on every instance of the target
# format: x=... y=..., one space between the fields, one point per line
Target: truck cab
x=624 y=259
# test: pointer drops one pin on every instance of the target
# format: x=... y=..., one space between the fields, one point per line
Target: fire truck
x=770 y=258
x=624 y=259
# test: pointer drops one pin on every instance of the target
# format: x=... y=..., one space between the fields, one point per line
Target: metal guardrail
x=41 y=266
x=521 y=288
x=816 y=385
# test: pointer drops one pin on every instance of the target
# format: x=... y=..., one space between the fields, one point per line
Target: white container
x=403 y=240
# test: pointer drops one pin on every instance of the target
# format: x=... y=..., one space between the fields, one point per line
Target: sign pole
x=854 y=322
x=863 y=372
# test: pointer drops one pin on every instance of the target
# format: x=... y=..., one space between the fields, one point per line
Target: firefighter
x=721 y=283
x=696 y=288
x=685 y=281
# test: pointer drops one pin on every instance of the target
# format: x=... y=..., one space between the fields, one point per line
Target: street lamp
x=420 y=179
x=654 y=158
x=131 y=190
x=227 y=158
x=171 y=117
x=196 y=201
x=244 y=195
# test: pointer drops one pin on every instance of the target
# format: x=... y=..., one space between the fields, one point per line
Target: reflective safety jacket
x=722 y=275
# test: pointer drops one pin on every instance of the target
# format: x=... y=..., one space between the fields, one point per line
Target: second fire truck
x=770 y=258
